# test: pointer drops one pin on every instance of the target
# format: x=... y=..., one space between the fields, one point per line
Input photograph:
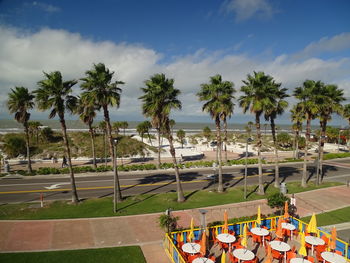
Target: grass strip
x=141 y=204
x=332 y=217
x=115 y=255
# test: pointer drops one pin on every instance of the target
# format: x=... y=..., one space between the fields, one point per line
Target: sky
x=188 y=40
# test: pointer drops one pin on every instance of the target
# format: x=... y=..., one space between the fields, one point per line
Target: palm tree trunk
x=225 y=137
x=261 y=190
x=277 y=173
x=117 y=193
x=92 y=145
x=180 y=194
x=297 y=144
x=219 y=155
x=159 y=148
x=306 y=150
x=320 y=150
x=29 y=164
x=149 y=138
x=75 y=198
x=104 y=146
x=294 y=142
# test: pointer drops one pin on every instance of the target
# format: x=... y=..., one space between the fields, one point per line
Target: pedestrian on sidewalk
x=64 y=162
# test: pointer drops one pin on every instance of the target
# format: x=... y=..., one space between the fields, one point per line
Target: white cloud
x=24 y=56
x=246 y=9
x=45 y=7
x=327 y=44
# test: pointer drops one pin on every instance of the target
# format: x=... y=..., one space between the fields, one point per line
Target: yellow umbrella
x=286 y=214
x=333 y=240
x=312 y=227
x=223 y=257
x=244 y=239
x=258 y=219
x=302 y=249
x=191 y=234
x=225 y=228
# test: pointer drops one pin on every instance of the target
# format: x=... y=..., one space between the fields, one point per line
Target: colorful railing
x=171 y=240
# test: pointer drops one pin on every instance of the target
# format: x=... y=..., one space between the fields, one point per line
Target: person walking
x=64 y=162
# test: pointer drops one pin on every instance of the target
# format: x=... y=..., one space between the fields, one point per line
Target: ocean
x=8 y=126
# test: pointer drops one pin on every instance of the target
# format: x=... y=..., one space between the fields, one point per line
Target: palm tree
x=307 y=106
x=159 y=98
x=106 y=93
x=217 y=94
x=87 y=112
x=271 y=113
x=228 y=111
x=124 y=125
x=141 y=130
x=34 y=128
x=116 y=127
x=328 y=101
x=180 y=134
x=103 y=128
x=258 y=96
x=207 y=134
x=19 y=102
x=55 y=94
x=346 y=115
x=297 y=117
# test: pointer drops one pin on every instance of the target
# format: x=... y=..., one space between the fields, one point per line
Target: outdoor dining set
x=257 y=243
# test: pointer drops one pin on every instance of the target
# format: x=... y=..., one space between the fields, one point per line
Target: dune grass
x=115 y=255
x=140 y=204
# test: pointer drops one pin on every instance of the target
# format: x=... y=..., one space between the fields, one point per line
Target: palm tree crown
x=218 y=95
x=19 y=102
x=99 y=83
x=54 y=94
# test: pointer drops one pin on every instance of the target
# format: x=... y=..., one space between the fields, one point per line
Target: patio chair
x=326 y=239
x=212 y=257
x=290 y=255
x=192 y=257
x=276 y=255
x=311 y=259
x=232 y=258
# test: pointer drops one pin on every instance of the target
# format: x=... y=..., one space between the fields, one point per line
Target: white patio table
x=226 y=238
x=243 y=254
x=332 y=257
x=289 y=227
x=191 y=248
x=202 y=260
x=314 y=241
x=299 y=260
x=281 y=247
x=260 y=232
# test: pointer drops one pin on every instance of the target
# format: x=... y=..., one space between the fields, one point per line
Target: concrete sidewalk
x=143 y=230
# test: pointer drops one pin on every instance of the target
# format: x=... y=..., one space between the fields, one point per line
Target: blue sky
x=188 y=40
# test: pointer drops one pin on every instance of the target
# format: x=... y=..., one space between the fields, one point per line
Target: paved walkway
x=143 y=230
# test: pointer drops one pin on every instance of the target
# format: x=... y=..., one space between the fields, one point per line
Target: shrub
x=14 y=145
x=168 y=222
x=277 y=201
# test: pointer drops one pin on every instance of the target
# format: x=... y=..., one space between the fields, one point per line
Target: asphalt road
x=27 y=189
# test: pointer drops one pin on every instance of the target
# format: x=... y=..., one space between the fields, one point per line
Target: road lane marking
x=122 y=186
x=97 y=187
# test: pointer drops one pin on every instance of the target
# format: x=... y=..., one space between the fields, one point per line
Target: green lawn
x=115 y=255
x=332 y=217
x=147 y=203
